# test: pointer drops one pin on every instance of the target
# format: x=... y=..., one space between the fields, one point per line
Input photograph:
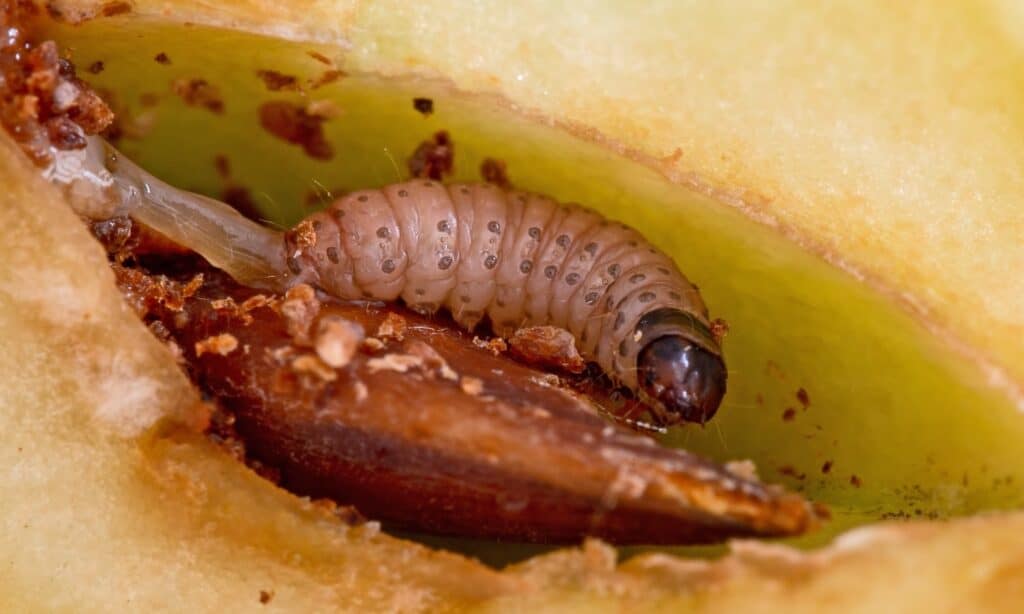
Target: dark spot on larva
x=623 y=350
x=291 y=122
x=620 y=319
x=633 y=244
x=464 y=190
x=563 y=240
x=675 y=296
x=614 y=270
x=338 y=213
x=445 y=263
x=646 y=297
x=591 y=298
x=663 y=270
x=293 y=266
x=162 y=58
x=362 y=198
x=494 y=227
x=525 y=266
x=464 y=298
x=591 y=248
x=383 y=232
x=651 y=250
x=424 y=105
x=490 y=261
x=534 y=232
x=444 y=226
x=332 y=255
x=388 y=266
x=572 y=278
x=403 y=193
x=637 y=278
x=420 y=291
x=550 y=271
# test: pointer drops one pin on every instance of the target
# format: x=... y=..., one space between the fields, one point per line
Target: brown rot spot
x=563 y=241
x=826 y=466
x=855 y=481
x=445 y=263
x=591 y=298
x=614 y=270
x=362 y=198
x=623 y=350
x=525 y=266
x=388 y=266
x=161 y=58
x=495 y=172
x=96 y=67
x=494 y=227
x=591 y=248
x=199 y=93
x=444 y=226
x=550 y=271
x=620 y=319
x=424 y=105
x=491 y=261
x=293 y=266
x=403 y=193
x=646 y=297
x=383 y=233
x=332 y=255
x=572 y=279
x=534 y=232
x=803 y=397
x=276 y=81
x=110 y=9
x=637 y=278
x=292 y=123
x=788 y=415
x=434 y=158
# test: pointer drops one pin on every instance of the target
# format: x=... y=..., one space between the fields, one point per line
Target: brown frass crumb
x=292 y=123
x=162 y=58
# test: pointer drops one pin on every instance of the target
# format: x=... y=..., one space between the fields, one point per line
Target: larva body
x=522 y=259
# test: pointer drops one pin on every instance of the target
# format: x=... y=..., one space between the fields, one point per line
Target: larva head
x=682 y=381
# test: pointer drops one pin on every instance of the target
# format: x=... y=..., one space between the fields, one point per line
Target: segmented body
x=520 y=259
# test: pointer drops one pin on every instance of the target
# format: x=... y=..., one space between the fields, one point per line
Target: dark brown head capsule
x=682 y=380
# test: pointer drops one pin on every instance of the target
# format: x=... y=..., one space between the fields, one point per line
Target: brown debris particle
x=327 y=77
x=300 y=308
x=472 y=386
x=393 y=327
x=223 y=166
x=266 y=596
x=789 y=414
x=111 y=9
x=434 y=158
x=337 y=340
x=495 y=172
x=496 y=345
x=826 y=466
x=855 y=481
x=719 y=329
x=308 y=363
x=221 y=345
x=290 y=122
x=802 y=396
x=199 y=93
x=161 y=58
x=424 y=105
x=790 y=470
x=277 y=81
x=96 y=67
x=549 y=346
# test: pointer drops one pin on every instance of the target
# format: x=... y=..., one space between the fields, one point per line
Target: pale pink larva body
x=520 y=259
